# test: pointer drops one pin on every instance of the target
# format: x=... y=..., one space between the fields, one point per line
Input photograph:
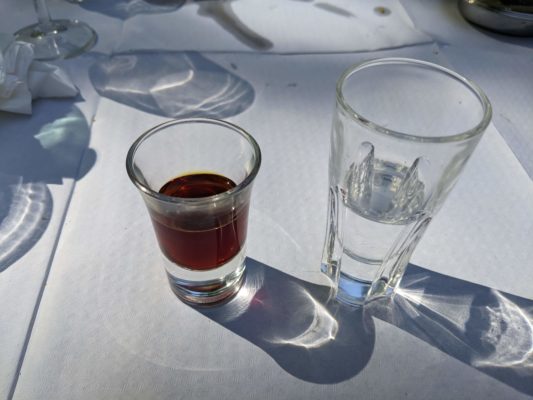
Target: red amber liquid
x=200 y=241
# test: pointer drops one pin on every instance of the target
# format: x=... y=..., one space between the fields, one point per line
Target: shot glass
x=403 y=130
x=195 y=177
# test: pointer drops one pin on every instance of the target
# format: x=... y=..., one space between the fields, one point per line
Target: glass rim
x=474 y=88
x=193 y=200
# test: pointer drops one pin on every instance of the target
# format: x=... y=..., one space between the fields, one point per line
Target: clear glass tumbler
x=403 y=130
x=196 y=176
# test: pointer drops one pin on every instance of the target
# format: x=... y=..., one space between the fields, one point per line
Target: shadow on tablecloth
x=124 y=9
x=172 y=84
x=220 y=12
x=307 y=333
x=489 y=330
x=315 y=339
x=36 y=151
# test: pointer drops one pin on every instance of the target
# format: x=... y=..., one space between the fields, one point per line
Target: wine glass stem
x=43 y=14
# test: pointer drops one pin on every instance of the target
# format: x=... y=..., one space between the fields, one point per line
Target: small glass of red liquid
x=195 y=176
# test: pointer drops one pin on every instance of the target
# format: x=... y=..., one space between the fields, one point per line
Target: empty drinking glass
x=402 y=132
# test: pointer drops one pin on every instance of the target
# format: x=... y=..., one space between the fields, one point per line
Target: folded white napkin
x=23 y=79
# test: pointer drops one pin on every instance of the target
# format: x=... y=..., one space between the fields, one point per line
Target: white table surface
x=85 y=308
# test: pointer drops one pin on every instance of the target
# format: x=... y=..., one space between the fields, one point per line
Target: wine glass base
x=61 y=38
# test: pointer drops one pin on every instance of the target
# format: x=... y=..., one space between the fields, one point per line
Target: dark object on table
x=510 y=17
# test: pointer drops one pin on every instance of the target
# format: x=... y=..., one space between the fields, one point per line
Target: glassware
x=211 y=165
x=56 y=38
x=402 y=132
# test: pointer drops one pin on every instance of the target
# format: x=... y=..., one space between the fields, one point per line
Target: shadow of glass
x=487 y=329
x=25 y=211
x=330 y=8
x=35 y=152
x=177 y=85
x=222 y=13
x=124 y=9
x=298 y=324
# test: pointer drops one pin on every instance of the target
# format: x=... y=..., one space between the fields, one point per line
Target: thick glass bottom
x=352 y=291
x=354 y=280
x=207 y=287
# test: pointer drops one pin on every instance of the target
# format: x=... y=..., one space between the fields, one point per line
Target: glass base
x=61 y=38
x=211 y=293
x=357 y=292
x=207 y=287
x=380 y=289
x=352 y=291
